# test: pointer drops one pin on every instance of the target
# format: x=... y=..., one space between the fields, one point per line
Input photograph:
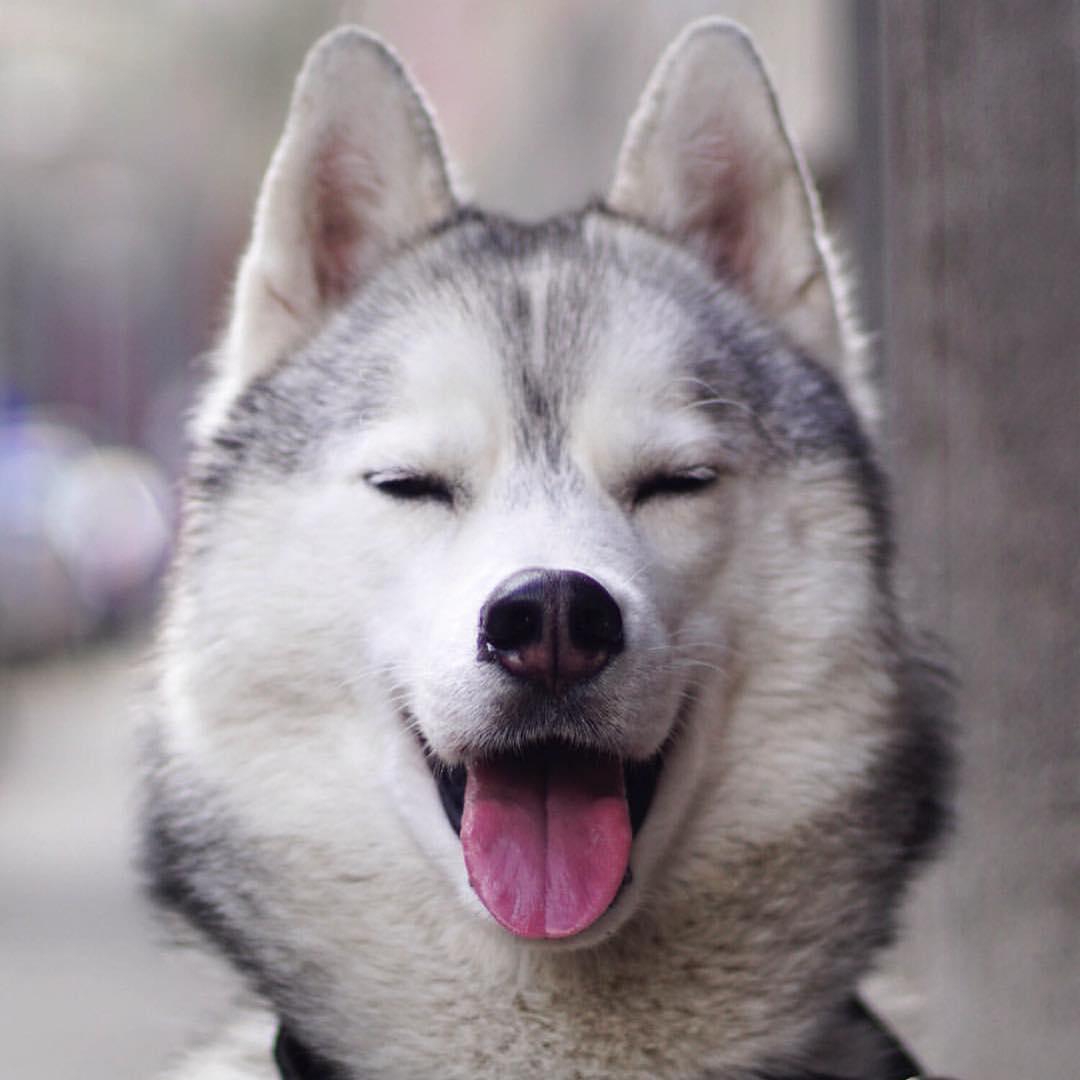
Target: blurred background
x=132 y=139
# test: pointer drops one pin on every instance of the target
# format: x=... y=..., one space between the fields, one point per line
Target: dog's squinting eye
x=412 y=486
x=686 y=482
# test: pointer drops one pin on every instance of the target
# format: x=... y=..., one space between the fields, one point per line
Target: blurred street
x=85 y=989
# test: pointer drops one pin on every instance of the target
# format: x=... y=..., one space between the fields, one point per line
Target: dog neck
x=296 y=1061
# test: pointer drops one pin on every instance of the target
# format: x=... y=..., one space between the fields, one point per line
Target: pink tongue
x=546 y=839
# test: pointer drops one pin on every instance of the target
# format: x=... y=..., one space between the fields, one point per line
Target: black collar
x=295 y=1061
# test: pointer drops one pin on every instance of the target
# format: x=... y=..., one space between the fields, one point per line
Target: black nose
x=550 y=627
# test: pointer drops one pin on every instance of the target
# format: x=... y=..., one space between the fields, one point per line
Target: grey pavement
x=87 y=989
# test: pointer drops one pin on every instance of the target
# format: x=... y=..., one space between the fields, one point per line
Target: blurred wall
x=981 y=215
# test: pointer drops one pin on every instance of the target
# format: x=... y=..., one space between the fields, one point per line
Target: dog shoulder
x=240 y=1052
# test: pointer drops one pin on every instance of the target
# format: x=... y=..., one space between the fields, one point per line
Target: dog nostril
x=513 y=623
x=594 y=621
x=517 y=625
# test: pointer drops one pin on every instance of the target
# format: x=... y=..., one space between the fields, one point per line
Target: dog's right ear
x=359 y=171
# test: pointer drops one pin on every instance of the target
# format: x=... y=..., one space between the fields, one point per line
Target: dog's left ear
x=708 y=161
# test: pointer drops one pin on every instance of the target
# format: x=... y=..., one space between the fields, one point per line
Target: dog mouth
x=546 y=831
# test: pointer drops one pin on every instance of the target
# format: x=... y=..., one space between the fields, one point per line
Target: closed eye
x=415 y=487
x=684 y=482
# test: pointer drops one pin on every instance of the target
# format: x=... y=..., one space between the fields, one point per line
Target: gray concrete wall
x=981 y=112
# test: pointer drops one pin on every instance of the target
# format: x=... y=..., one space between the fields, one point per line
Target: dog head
x=532 y=574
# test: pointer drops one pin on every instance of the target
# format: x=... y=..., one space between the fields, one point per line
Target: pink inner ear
x=345 y=234
x=721 y=190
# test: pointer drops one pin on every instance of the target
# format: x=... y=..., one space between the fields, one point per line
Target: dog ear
x=707 y=160
x=358 y=172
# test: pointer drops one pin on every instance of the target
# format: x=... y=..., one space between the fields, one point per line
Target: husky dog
x=535 y=701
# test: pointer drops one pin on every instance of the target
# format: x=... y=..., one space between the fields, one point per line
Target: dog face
x=532 y=574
